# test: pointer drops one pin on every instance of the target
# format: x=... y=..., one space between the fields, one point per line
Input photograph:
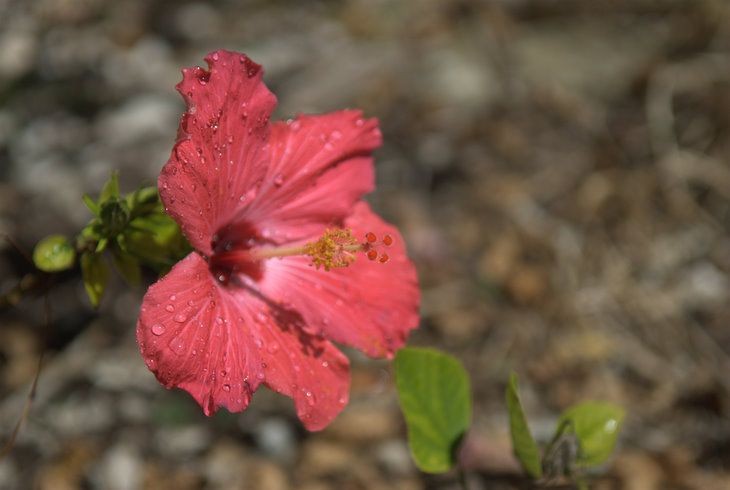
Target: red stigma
x=371 y=245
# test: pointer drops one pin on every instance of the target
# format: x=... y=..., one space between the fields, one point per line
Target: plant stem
x=462 y=478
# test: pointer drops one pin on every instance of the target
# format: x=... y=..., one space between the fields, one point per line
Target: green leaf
x=128 y=267
x=596 y=425
x=155 y=240
x=96 y=275
x=143 y=201
x=93 y=207
x=523 y=444
x=435 y=397
x=110 y=189
x=53 y=254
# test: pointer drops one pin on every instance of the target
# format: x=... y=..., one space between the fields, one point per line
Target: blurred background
x=559 y=168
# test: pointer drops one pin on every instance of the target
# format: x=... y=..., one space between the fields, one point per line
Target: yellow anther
x=335 y=248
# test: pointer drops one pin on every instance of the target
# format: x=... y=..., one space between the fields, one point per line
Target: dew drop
x=226 y=388
x=325 y=364
x=260 y=376
x=272 y=348
x=215 y=56
x=169 y=308
x=180 y=318
x=177 y=346
x=258 y=343
x=359 y=122
x=173 y=297
x=336 y=135
x=158 y=329
x=278 y=180
x=261 y=317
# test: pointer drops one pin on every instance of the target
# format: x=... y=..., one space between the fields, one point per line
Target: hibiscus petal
x=319 y=167
x=220 y=344
x=220 y=157
x=307 y=368
x=193 y=337
x=368 y=305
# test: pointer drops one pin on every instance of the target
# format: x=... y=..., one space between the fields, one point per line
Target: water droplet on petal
x=278 y=180
x=272 y=348
x=325 y=364
x=261 y=317
x=226 y=388
x=158 y=329
x=169 y=308
x=177 y=346
x=260 y=375
x=180 y=318
x=258 y=343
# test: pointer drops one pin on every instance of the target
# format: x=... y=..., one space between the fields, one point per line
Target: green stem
x=462 y=478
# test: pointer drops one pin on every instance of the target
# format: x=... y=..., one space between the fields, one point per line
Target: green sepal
x=91 y=204
x=114 y=217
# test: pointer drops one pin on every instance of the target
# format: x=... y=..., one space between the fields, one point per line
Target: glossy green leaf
x=523 y=444
x=435 y=397
x=596 y=426
x=54 y=253
x=96 y=275
x=110 y=189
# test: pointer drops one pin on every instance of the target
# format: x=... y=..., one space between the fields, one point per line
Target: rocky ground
x=559 y=170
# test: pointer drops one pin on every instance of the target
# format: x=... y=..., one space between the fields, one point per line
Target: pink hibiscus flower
x=276 y=217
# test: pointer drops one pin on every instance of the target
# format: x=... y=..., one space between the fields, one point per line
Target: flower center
x=337 y=247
